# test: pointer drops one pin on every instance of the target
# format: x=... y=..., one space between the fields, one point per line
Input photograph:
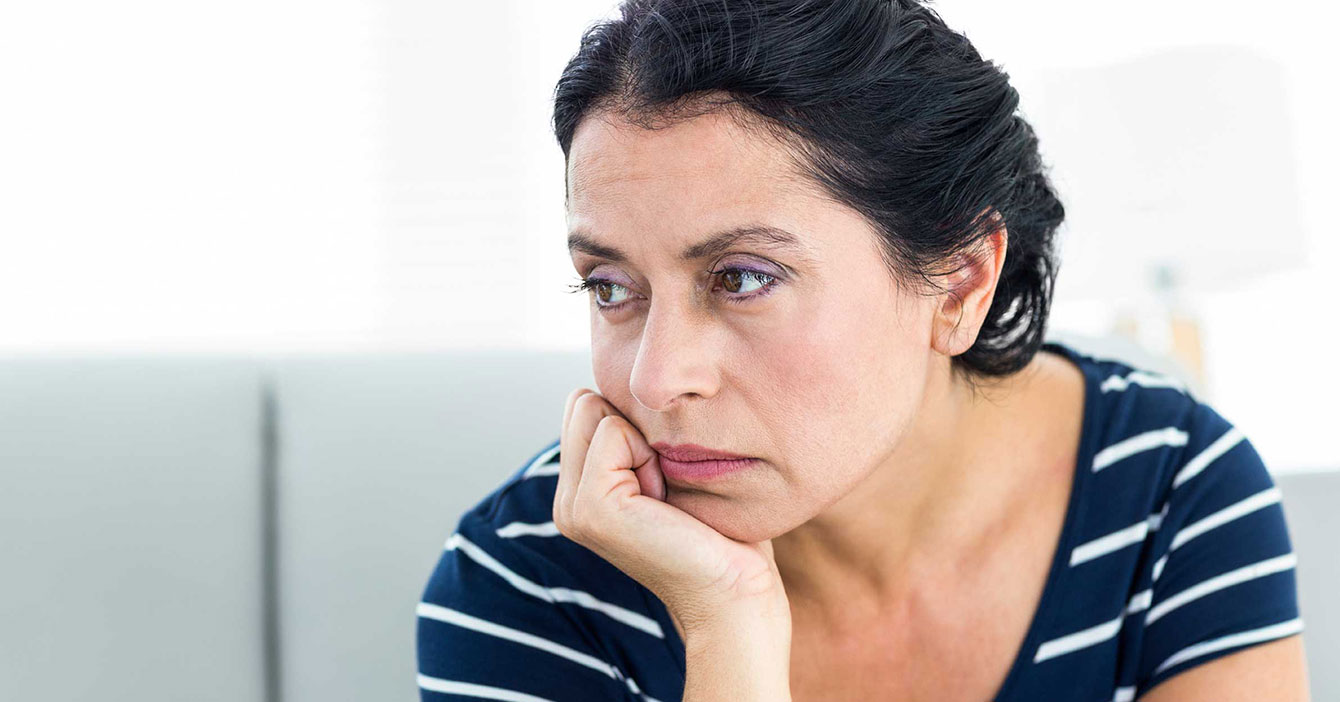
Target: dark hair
x=892 y=112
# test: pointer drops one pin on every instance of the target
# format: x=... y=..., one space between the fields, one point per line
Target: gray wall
x=379 y=458
x=130 y=504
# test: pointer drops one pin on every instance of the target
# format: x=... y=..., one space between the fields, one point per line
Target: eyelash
x=590 y=284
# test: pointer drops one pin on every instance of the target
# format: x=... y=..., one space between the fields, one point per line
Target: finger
x=651 y=479
x=616 y=451
x=588 y=408
x=567 y=409
x=560 y=490
x=566 y=450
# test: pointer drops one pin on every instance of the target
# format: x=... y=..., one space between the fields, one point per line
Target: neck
x=927 y=507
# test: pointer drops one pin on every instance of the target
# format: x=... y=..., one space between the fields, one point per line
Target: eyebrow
x=713 y=245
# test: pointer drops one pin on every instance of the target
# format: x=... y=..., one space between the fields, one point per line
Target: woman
x=831 y=456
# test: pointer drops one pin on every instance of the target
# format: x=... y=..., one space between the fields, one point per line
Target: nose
x=676 y=358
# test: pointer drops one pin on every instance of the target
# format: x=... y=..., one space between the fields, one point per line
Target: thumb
x=650 y=479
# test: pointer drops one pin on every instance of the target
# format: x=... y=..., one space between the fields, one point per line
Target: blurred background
x=283 y=291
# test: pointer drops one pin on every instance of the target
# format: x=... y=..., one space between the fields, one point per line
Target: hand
x=611 y=499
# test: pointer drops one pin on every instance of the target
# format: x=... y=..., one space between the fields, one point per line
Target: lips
x=688 y=453
x=691 y=463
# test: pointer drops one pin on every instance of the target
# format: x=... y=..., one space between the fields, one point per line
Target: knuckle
x=589 y=402
x=563 y=520
x=574 y=527
x=608 y=423
x=574 y=396
x=560 y=518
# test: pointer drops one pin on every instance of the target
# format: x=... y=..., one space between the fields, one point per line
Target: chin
x=745 y=523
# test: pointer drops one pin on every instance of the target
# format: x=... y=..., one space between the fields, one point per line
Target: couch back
x=260 y=529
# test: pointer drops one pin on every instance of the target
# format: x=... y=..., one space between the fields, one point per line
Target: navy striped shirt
x=1174 y=552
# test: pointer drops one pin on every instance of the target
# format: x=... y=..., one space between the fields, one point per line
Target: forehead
x=708 y=163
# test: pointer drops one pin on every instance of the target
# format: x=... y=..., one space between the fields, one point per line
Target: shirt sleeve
x=1225 y=580
x=489 y=628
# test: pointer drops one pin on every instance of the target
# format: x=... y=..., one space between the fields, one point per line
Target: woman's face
x=816 y=367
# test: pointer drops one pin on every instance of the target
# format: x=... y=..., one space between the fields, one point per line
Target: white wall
x=294 y=176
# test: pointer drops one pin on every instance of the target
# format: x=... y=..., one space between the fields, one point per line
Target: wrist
x=758 y=633
x=768 y=615
x=739 y=656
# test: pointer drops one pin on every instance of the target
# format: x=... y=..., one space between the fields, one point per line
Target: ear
x=962 y=307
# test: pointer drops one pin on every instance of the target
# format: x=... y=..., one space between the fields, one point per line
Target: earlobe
x=969 y=289
x=950 y=319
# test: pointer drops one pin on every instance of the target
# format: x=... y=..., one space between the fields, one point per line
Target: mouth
x=691 y=462
x=689 y=453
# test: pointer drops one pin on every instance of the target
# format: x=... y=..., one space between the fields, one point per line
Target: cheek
x=611 y=366
x=842 y=383
x=830 y=351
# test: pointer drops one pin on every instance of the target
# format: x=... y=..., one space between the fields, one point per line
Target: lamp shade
x=1177 y=161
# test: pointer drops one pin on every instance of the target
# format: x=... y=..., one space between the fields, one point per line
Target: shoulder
x=525 y=497
x=1148 y=428
x=511 y=532
x=1160 y=459
x=1176 y=551
x=509 y=590
x=1181 y=510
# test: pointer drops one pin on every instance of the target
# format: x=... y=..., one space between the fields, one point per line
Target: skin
x=905 y=509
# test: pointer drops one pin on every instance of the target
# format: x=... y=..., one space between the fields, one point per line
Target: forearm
x=745 y=656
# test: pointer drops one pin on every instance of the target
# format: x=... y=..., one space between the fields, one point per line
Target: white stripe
x=538 y=467
x=1140 y=601
x=1156 y=520
x=1078 y=640
x=1239 y=509
x=516 y=529
x=1242 y=508
x=483 y=692
x=1093 y=635
x=636 y=691
x=1168 y=436
x=1119 y=539
x=1158 y=566
x=1149 y=380
x=1206 y=457
x=1238 y=576
x=461 y=619
x=555 y=594
x=1265 y=633
x=541 y=471
x=1115 y=541
x=1124 y=694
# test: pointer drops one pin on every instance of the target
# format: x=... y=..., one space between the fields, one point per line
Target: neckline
x=1060 y=564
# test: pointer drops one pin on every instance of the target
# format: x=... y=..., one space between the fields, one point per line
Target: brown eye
x=732 y=280
x=743 y=280
x=603 y=292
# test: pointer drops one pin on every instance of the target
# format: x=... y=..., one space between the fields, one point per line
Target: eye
x=607 y=293
x=743 y=280
x=740 y=284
